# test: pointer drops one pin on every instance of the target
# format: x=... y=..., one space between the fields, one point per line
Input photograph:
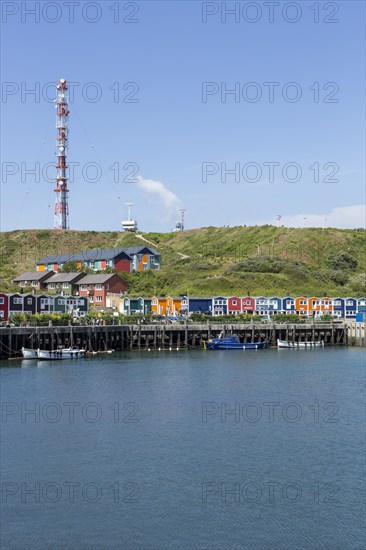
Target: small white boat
x=61 y=353
x=29 y=353
x=288 y=344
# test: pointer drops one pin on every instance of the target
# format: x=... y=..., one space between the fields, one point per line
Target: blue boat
x=232 y=342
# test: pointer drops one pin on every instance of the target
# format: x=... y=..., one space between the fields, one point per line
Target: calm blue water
x=140 y=451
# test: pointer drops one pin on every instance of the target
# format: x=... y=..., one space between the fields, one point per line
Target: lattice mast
x=61 y=218
x=182 y=211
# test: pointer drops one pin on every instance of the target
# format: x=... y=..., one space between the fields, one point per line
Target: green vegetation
x=262 y=260
x=242 y=318
x=73 y=267
x=93 y=318
x=290 y=318
x=342 y=260
x=38 y=319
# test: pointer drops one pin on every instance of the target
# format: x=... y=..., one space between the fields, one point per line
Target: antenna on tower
x=61 y=217
x=130 y=224
x=179 y=226
x=182 y=211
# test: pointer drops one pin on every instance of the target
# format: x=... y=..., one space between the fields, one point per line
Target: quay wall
x=356 y=333
x=97 y=338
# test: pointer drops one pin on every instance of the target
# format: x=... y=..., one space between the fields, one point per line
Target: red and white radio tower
x=61 y=218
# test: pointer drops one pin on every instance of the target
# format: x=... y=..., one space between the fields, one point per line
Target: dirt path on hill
x=183 y=256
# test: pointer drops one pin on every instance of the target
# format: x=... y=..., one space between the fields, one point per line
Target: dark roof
x=99 y=254
x=33 y=276
x=140 y=250
x=65 y=277
x=96 y=279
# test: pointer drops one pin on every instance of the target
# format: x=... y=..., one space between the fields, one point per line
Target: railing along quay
x=96 y=338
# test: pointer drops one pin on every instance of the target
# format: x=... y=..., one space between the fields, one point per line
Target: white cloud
x=346 y=217
x=169 y=201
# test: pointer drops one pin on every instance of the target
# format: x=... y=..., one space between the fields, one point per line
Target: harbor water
x=184 y=450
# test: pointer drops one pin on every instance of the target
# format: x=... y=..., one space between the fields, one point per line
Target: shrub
x=290 y=318
x=338 y=276
x=72 y=267
x=18 y=319
x=326 y=317
x=358 y=283
x=201 y=266
x=227 y=319
x=342 y=260
x=266 y=264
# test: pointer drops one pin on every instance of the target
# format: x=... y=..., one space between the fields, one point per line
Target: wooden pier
x=97 y=338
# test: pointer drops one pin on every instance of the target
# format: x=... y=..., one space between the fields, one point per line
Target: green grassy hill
x=211 y=261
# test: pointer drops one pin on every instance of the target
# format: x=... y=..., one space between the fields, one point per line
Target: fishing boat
x=61 y=353
x=288 y=344
x=29 y=353
x=232 y=342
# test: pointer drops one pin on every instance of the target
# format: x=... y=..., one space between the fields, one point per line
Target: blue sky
x=173 y=134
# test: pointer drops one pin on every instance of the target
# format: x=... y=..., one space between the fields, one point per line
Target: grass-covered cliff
x=211 y=261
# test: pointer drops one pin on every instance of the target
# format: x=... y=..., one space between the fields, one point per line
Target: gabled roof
x=99 y=254
x=61 y=259
x=96 y=279
x=65 y=277
x=33 y=276
x=141 y=250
